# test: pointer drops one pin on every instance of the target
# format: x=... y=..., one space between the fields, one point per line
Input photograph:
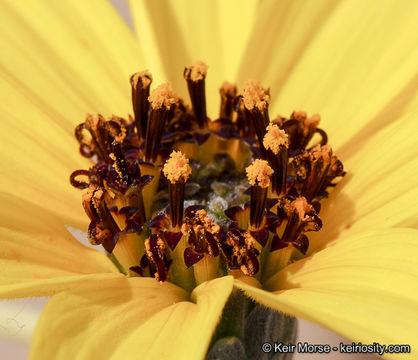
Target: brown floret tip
x=145 y=76
x=196 y=72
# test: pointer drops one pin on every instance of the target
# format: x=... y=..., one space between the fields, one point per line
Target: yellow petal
x=182 y=32
x=70 y=52
x=39 y=257
x=358 y=62
x=63 y=61
x=282 y=30
x=138 y=317
x=37 y=157
x=380 y=187
x=363 y=287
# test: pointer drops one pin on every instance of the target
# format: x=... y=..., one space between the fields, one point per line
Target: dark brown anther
x=256 y=101
x=177 y=170
x=301 y=218
x=258 y=174
x=276 y=143
x=315 y=171
x=77 y=183
x=155 y=253
x=116 y=127
x=244 y=124
x=119 y=164
x=162 y=99
x=99 y=136
x=240 y=251
x=301 y=129
x=141 y=83
x=228 y=94
x=103 y=228
x=195 y=76
x=202 y=235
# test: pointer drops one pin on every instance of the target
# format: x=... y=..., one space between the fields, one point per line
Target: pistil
x=177 y=170
x=162 y=100
x=276 y=143
x=141 y=83
x=228 y=94
x=256 y=101
x=258 y=174
x=195 y=76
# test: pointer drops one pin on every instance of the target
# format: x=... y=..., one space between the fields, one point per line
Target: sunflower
x=352 y=62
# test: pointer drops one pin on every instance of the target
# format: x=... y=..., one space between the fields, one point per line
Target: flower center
x=176 y=196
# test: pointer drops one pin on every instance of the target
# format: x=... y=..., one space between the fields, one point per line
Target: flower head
x=62 y=64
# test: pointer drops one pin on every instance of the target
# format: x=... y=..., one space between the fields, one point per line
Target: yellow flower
x=354 y=62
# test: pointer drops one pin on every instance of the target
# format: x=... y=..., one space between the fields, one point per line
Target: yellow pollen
x=145 y=76
x=255 y=96
x=115 y=165
x=249 y=240
x=196 y=72
x=301 y=206
x=275 y=138
x=177 y=167
x=258 y=173
x=163 y=95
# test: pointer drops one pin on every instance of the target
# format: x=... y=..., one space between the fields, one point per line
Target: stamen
x=177 y=170
x=240 y=251
x=314 y=171
x=117 y=128
x=129 y=181
x=258 y=174
x=245 y=125
x=301 y=129
x=195 y=76
x=276 y=143
x=202 y=235
x=99 y=143
x=162 y=100
x=255 y=96
x=256 y=101
x=302 y=217
x=155 y=253
x=228 y=94
x=141 y=83
x=103 y=228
